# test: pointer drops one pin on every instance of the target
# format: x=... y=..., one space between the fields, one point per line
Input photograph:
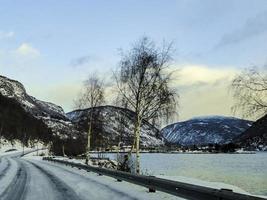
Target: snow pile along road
x=31 y=178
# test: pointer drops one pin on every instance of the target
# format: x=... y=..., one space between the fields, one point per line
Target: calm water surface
x=247 y=171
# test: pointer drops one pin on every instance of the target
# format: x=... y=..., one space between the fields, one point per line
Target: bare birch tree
x=91 y=97
x=250 y=92
x=143 y=82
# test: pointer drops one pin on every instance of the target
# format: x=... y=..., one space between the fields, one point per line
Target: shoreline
x=144 y=152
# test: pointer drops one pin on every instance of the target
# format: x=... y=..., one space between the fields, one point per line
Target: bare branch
x=92 y=95
x=142 y=80
x=250 y=92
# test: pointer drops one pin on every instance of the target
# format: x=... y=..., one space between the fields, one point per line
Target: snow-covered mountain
x=255 y=137
x=204 y=130
x=113 y=124
x=23 y=117
x=26 y=112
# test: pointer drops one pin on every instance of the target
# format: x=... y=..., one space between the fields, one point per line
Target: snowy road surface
x=31 y=178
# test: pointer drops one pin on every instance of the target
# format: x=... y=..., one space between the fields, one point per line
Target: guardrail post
x=151 y=188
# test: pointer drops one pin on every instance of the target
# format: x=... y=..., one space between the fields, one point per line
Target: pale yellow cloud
x=205 y=100
x=204 y=90
x=193 y=74
x=62 y=94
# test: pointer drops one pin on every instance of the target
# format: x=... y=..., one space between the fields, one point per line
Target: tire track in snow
x=118 y=192
x=4 y=171
x=65 y=192
x=18 y=187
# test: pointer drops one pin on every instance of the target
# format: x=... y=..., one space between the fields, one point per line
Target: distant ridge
x=112 y=123
x=205 y=130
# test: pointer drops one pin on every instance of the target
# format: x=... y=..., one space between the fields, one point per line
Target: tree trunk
x=88 y=142
x=23 y=147
x=50 y=148
x=23 y=143
x=1 y=129
x=37 y=149
x=63 y=150
x=137 y=143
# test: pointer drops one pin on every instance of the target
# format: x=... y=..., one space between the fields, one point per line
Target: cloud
x=26 y=49
x=253 y=27
x=203 y=90
x=205 y=100
x=80 y=61
x=5 y=35
x=18 y=58
x=190 y=75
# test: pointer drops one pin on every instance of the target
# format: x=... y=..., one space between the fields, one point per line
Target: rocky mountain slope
x=255 y=137
x=13 y=93
x=25 y=118
x=113 y=124
x=205 y=130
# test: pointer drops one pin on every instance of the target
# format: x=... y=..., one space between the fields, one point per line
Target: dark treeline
x=209 y=148
x=16 y=124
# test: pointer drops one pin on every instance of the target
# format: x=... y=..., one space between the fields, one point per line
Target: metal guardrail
x=31 y=151
x=184 y=190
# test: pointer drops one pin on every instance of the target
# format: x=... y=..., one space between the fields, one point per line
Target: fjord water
x=246 y=171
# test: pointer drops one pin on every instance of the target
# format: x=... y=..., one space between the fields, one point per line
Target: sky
x=52 y=46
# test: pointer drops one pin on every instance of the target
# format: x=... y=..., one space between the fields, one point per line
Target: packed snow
x=46 y=180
